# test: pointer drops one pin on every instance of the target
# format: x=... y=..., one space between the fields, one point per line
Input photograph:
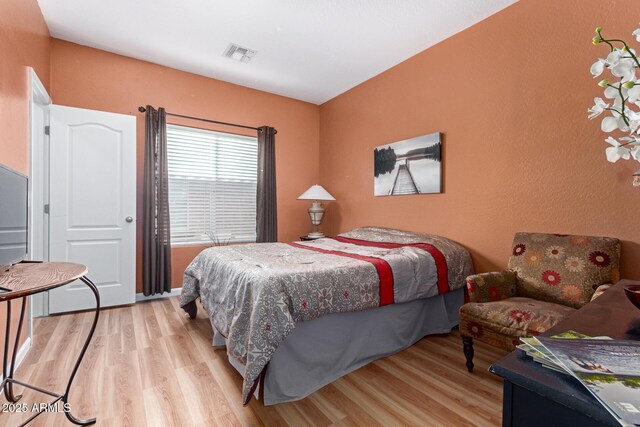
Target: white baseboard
x=40 y=304
x=175 y=291
x=22 y=353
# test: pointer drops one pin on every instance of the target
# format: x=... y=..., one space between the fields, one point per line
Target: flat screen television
x=13 y=217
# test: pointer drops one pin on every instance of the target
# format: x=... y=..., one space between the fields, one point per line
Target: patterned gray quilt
x=255 y=293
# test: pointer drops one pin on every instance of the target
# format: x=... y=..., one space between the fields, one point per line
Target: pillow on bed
x=458 y=259
x=382 y=234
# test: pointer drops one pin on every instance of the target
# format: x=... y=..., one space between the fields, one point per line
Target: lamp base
x=315 y=235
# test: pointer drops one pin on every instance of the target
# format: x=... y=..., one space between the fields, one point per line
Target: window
x=213 y=178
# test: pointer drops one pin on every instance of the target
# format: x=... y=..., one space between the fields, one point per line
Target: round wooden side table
x=26 y=279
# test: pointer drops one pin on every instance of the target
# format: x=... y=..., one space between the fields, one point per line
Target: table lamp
x=316 y=211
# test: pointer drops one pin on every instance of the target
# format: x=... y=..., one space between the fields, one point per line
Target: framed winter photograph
x=411 y=166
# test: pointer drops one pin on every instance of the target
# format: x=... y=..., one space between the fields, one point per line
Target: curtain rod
x=143 y=109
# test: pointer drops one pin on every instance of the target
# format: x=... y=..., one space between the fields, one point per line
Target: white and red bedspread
x=254 y=294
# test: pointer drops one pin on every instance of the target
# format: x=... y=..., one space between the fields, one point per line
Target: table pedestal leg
x=65 y=396
x=7 y=374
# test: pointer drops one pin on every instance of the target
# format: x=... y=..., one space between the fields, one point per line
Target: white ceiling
x=312 y=50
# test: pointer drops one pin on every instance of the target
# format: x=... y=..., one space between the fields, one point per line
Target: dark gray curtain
x=267 y=208
x=156 y=241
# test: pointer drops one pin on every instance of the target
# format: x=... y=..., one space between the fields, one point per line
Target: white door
x=92 y=203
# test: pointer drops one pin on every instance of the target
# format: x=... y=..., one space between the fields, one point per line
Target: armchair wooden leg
x=467 y=343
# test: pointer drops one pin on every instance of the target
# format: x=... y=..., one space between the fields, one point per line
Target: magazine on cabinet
x=540 y=354
x=609 y=369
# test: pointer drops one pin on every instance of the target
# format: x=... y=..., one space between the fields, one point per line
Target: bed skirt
x=320 y=351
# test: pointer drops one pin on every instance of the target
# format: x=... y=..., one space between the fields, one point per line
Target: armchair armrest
x=487 y=287
x=600 y=290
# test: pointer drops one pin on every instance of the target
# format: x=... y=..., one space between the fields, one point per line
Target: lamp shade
x=316 y=192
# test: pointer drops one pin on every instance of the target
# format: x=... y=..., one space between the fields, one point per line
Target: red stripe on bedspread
x=438 y=257
x=382 y=267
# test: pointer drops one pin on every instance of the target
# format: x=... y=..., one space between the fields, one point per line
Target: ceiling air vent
x=239 y=53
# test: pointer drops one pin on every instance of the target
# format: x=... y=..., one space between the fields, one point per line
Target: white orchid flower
x=609 y=124
x=634 y=122
x=597 y=68
x=598 y=108
x=612 y=92
x=614 y=56
x=624 y=68
x=634 y=93
x=614 y=122
x=621 y=64
x=637 y=34
x=633 y=144
x=633 y=126
x=622 y=125
x=616 y=152
x=617 y=105
x=617 y=55
x=631 y=77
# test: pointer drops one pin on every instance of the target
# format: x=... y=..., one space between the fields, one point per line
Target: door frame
x=38 y=186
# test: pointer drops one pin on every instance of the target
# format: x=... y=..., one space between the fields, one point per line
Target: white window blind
x=213 y=178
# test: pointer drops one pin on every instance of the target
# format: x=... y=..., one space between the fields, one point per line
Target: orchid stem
x=623 y=99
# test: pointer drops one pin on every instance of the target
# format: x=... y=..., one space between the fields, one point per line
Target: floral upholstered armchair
x=549 y=277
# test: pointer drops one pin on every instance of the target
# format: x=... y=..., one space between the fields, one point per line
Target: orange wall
x=24 y=41
x=510 y=95
x=90 y=78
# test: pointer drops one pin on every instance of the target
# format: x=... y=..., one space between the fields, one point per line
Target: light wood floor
x=148 y=365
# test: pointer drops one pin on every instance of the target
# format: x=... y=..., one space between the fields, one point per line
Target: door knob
x=129 y=219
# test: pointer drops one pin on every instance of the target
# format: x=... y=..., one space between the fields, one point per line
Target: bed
x=300 y=315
